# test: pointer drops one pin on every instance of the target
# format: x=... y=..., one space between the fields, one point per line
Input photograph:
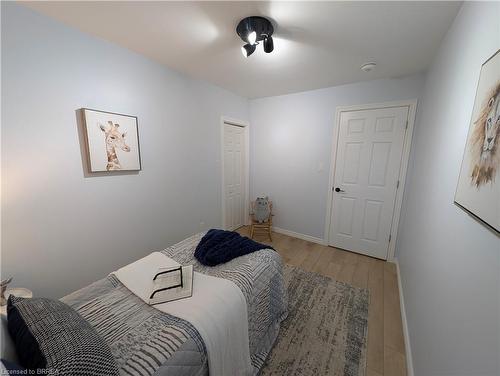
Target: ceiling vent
x=368 y=67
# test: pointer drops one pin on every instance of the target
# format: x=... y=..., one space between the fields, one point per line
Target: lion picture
x=478 y=189
x=485 y=140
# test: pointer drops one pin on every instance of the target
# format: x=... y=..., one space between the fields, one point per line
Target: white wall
x=450 y=263
x=62 y=230
x=290 y=146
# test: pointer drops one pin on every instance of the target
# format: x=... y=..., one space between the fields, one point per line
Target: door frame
x=246 y=134
x=412 y=108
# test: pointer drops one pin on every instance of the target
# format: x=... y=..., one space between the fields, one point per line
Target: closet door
x=234 y=176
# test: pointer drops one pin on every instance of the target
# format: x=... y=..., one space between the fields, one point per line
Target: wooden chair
x=264 y=227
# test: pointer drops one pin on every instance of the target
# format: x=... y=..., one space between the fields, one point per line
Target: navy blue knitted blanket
x=219 y=246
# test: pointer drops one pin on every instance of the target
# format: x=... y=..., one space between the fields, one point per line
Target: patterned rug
x=326 y=329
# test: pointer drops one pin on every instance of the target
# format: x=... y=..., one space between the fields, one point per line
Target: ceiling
x=317 y=44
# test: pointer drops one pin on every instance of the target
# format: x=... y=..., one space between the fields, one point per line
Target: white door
x=234 y=176
x=368 y=161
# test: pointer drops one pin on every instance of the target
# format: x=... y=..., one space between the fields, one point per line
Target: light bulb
x=252 y=37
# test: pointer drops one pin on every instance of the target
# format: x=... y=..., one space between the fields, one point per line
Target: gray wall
x=60 y=229
x=450 y=263
x=291 y=141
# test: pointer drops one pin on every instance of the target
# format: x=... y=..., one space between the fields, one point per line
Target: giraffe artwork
x=112 y=141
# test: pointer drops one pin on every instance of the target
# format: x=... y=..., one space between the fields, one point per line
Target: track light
x=248 y=49
x=268 y=45
x=253 y=30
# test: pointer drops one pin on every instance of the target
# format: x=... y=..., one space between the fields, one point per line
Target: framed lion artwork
x=478 y=189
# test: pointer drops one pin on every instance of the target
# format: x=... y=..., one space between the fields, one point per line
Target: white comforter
x=217 y=310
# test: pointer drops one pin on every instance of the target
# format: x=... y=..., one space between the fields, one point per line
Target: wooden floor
x=386 y=351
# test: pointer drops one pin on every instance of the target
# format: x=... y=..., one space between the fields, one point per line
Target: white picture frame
x=478 y=187
x=112 y=141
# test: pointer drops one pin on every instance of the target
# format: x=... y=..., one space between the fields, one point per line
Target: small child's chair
x=261 y=227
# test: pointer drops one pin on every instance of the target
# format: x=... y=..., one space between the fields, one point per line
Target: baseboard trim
x=406 y=333
x=298 y=235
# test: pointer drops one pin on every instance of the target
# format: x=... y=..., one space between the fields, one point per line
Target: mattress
x=146 y=341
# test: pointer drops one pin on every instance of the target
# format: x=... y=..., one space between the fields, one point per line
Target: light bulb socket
x=248 y=49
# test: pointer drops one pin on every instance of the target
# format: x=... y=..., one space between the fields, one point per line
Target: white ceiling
x=317 y=44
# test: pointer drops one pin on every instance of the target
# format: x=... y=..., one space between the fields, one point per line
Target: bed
x=146 y=341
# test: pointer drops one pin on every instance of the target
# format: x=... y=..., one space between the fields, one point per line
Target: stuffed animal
x=262 y=209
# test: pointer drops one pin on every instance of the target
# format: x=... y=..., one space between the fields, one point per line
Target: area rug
x=325 y=332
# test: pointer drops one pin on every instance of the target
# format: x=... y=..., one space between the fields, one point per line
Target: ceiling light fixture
x=254 y=29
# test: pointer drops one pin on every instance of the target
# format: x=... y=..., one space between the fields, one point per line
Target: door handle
x=339 y=190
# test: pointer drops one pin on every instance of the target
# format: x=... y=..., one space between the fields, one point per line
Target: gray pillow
x=49 y=334
x=7 y=348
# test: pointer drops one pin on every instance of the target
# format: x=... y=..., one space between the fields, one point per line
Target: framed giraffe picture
x=112 y=141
